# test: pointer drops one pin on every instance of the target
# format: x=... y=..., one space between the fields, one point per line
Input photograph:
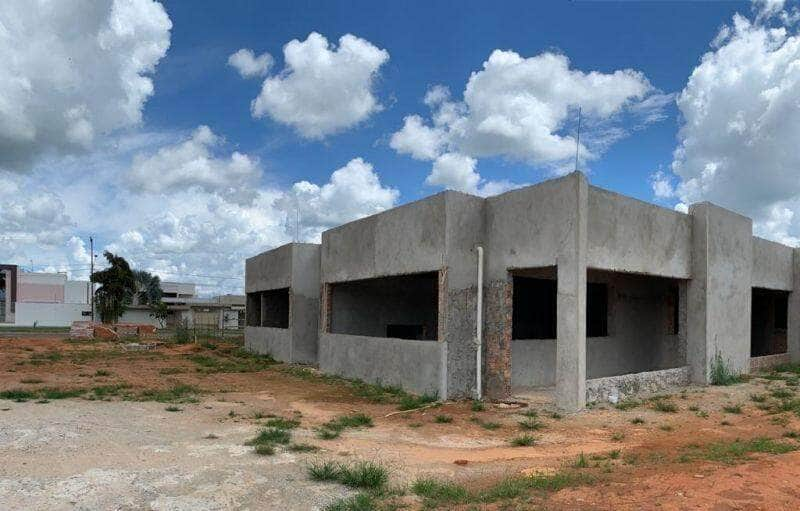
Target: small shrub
x=443 y=419
x=270 y=436
x=531 y=424
x=628 y=404
x=324 y=471
x=615 y=454
x=581 y=462
x=618 y=436
x=531 y=414
x=725 y=423
x=364 y=475
x=477 y=406
x=665 y=406
x=412 y=402
x=556 y=416
x=758 y=398
x=264 y=449
x=665 y=427
x=523 y=441
x=637 y=420
x=491 y=426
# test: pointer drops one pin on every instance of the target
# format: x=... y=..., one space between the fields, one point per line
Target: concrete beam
x=571 y=302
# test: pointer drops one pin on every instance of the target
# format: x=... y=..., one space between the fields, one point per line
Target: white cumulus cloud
x=191 y=163
x=737 y=144
x=249 y=65
x=323 y=88
x=72 y=71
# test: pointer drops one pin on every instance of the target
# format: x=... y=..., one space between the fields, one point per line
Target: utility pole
x=91 y=272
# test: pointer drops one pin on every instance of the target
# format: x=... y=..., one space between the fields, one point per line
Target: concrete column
x=571 y=303
x=793 y=331
x=720 y=291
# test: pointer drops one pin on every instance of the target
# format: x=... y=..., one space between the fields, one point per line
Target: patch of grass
x=721 y=374
x=375 y=392
x=782 y=393
x=443 y=419
x=102 y=372
x=664 y=406
x=725 y=423
x=438 y=492
x=758 y=398
x=665 y=427
x=180 y=393
x=780 y=420
x=628 y=403
x=270 y=436
x=17 y=395
x=531 y=414
x=531 y=424
x=282 y=423
x=30 y=380
x=617 y=436
x=523 y=441
x=477 y=406
x=415 y=425
x=47 y=356
x=333 y=428
x=637 y=420
x=792 y=434
x=412 y=402
x=737 y=451
x=737 y=408
x=615 y=454
x=491 y=426
x=105 y=391
x=173 y=408
x=514 y=487
x=556 y=416
x=264 y=449
x=362 y=474
x=358 y=502
x=302 y=447
x=702 y=414
x=237 y=361
x=56 y=393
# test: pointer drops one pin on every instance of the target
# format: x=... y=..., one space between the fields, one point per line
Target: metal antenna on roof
x=578 y=140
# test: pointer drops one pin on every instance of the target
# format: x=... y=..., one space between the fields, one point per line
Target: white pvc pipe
x=479 y=326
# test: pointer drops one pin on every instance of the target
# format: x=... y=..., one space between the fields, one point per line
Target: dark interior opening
x=596 y=309
x=403 y=306
x=275 y=308
x=674 y=310
x=533 y=313
x=253 y=309
x=768 y=322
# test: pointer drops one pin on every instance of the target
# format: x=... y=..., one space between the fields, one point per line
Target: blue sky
x=187 y=136
x=429 y=43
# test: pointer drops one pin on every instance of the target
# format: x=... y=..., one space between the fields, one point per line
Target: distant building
x=51 y=299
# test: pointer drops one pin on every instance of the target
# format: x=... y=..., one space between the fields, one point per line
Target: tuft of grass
x=491 y=426
x=30 y=380
x=665 y=427
x=792 y=434
x=758 y=398
x=302 y=448
x=723 y=375
x=477 y=406
x=412 y=402
x=702 y=414
x=172 y=370
x=514 y=487
x=581 y=461
x=362 y=474
x=334 y=427
x=637 y=420
x=615 y=454
x=328 y=434
x=664 y=406
x=443 y=419
x=556 y=415
x=523 y=441
x=270 y=436
x=737 y=408
x=725 y=423
x=358 y=502
x=173 y=408
x=102 y=372
x=531 y=424
x=56 y=393
x=324 y=471
x=438 y=492
x=782 y=393
x=531 y=414
x=618 y=436
x=414 y=424
x=628 y=403
x=282 y=423
x=180 y=393
x=264 y=449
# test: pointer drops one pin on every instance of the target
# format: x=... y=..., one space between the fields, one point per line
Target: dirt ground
x=113 y=442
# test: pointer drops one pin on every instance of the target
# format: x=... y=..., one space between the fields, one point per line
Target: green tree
x=160 y=312
x=117 y=286
x=148 y=288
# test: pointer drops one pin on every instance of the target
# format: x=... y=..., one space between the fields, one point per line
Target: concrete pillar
x=793 y=331
x=571 y=303
x=719 y=293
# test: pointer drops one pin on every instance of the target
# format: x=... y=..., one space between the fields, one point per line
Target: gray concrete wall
x=413 y=365
x=772 y=265
x=533 y=363
x=719 y=293
x=407 y=239
x=294 y=266
x=276 y=342
x=793 y=332
x=629 y=235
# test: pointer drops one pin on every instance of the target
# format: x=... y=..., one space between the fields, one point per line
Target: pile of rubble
x=89 y=330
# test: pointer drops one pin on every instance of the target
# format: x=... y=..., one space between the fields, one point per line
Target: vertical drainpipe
x=479 y=326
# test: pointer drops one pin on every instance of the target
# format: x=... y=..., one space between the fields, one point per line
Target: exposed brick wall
x=497 y=338
x=442 y=306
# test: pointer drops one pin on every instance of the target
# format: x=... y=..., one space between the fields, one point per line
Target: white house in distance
x=51 y=299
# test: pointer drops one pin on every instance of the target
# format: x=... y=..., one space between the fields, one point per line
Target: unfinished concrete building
x=560 y=285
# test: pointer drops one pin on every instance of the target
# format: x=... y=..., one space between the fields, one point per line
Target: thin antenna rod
x=578 y=140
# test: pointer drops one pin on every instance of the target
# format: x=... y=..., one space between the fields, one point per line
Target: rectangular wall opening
x=275 y=308
x=402 y=306
x=533 y=314
x=253 y=309
x=769 y=314
x=634 y=323
x=2 y=296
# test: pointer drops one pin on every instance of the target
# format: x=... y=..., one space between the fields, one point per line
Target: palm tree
x=117 y=285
